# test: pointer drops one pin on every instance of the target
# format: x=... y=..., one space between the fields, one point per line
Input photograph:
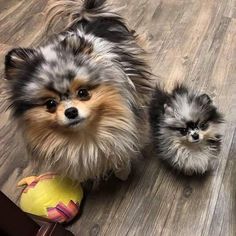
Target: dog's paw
x=123 y=174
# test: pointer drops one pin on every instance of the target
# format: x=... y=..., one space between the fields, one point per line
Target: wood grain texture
x=192 y=41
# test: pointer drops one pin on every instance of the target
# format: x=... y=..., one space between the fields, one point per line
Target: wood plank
x=28 y=26
x=224 y=218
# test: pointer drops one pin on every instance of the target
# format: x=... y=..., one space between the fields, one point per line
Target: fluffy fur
x=80 y=99
x=186 y=129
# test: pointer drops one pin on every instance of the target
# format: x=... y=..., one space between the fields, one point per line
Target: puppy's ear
x=16 y=60
x=205 y=99
x=71 y=42
x=76 y=44
x=168 y=110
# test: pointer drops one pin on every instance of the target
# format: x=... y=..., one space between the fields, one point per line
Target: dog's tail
x=71 y=12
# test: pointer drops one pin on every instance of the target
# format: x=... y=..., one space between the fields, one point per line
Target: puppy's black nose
x=71 y=113
x=195 y=136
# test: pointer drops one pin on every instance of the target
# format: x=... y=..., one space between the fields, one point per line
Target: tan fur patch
x=46 y=94
x=77 y=83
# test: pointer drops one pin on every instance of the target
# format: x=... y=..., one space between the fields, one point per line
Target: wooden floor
x=193 y=41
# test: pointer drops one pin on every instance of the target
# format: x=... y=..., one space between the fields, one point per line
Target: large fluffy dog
x=81 y=98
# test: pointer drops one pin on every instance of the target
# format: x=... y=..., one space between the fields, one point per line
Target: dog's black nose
x=195 y=136
x=71 y=113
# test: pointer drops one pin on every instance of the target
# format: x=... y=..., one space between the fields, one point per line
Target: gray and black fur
x=186 y=129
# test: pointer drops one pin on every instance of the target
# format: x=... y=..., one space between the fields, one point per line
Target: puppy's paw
x=123 y=174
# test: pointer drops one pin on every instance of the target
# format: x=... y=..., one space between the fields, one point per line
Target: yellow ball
x=51 y=196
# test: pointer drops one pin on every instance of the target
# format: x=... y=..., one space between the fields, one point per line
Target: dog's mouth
x=195 y=141
x=75 y=123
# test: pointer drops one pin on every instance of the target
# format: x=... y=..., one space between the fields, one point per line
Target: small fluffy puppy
x=186 y=129
x=81 y=99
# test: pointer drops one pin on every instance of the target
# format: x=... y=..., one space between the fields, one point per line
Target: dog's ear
x=71 y=42
x=168 y=110
x=205 y=99
x=16 y=61
x=76 y=44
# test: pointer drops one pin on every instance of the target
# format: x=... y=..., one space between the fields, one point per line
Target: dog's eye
x=83 y=94
x=204 y=126
x=51 y=105
x=183 y=131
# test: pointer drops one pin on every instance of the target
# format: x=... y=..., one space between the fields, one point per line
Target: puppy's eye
x=183 y=131
x=204 y=126
x=83 y=94
x=51 y=105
